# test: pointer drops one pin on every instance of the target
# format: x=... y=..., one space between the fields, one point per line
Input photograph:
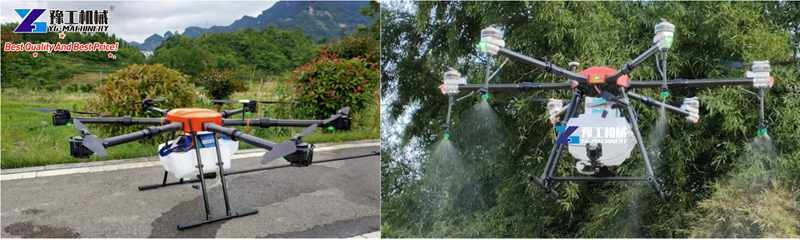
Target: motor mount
x=61 y=117
x=303 y=156
x=76 y=148
x=249 y=106
x=342 y=123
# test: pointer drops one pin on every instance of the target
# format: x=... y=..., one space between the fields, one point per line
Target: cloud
x=137 y=20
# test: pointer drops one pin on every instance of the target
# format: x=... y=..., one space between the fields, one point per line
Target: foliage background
x=720 y=184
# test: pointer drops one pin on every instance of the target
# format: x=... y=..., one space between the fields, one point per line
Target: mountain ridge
x=318 y=20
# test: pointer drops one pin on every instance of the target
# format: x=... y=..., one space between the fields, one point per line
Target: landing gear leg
x=228 y=213
x=633 y=119
x=546 y=180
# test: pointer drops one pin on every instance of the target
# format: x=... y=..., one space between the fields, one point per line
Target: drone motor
x=77 y=149
x=61 y=117
x=303 y=156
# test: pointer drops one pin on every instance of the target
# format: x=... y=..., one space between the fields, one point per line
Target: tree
x=711 y=39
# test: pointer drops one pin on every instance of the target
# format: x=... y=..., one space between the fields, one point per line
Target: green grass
x=29 y=139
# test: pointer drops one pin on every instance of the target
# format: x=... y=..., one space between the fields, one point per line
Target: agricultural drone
x=206 y=145
x=603 y=136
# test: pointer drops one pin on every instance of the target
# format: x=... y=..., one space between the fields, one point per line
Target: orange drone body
x=598 y=75
x=194 y=118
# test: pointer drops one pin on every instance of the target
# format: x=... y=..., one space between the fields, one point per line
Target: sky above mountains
x=137 y=20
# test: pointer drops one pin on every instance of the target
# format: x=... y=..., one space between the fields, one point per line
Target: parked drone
x=206 y=145
x=603 y=136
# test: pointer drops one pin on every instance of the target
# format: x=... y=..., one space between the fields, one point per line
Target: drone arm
x=236 y=134
x=523 y=86
x=228 y=113
x=342 y=114
x=145 y=133
x=268 y=122
x=547 y=66
x=692 y=83
x=652 y=102
x=629 y=66
x=123 y=120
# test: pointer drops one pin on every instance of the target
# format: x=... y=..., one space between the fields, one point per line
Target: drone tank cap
x=194 y=118
x=491 y=40
x=664 y=33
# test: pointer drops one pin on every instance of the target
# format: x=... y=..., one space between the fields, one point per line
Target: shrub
x=357 y=46
x=121 y=94
x=220 y=84
x=328 y=83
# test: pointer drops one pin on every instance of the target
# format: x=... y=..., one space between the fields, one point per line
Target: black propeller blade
x=287 y=147
x=90 y=141
x=50 y=110
x=224 y=101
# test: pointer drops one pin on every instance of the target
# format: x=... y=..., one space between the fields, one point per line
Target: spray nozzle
x=664 y=93
x=446 y=135
x=484 y=93
x=762 y=132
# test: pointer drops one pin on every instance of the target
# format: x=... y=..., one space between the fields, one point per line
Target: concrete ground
x=335 y=199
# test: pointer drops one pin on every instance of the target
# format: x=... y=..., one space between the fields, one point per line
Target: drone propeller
x=287 y=147
x=90 y=141
x=225 y=101
x=50 y=110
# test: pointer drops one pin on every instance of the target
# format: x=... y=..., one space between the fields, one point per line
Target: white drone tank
x=603 y=126
x=182 y=164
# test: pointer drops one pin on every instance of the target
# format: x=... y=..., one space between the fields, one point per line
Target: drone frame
x=298 y=154
x=618 y=90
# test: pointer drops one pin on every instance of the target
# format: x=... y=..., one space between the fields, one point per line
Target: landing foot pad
x=234 y=214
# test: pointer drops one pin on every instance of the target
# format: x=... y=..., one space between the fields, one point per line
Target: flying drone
x=604 y=134
x=206 y=145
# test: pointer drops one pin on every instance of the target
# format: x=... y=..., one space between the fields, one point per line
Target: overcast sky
x=137 y=20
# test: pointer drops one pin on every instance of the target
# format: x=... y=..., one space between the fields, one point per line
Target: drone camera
x=303 y=156
x=491 y=40
x=759 y=72
x=61 y=117
x=664 y=33
x=76 y=148
x=452 y=79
